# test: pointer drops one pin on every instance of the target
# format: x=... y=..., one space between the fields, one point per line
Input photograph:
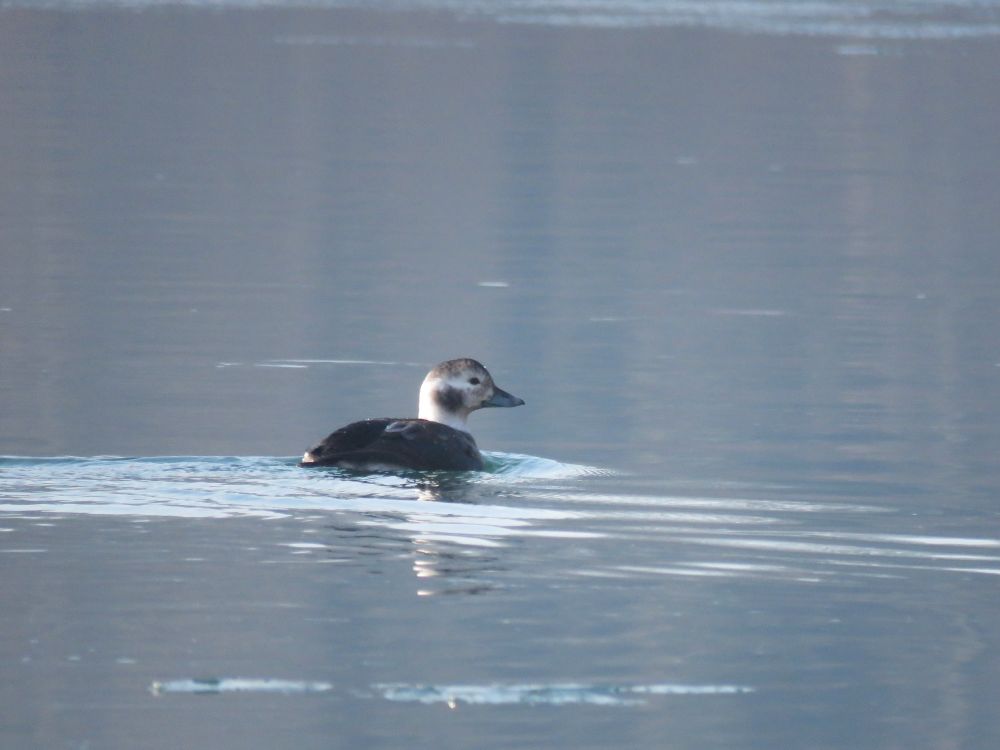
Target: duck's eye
x=474 y=381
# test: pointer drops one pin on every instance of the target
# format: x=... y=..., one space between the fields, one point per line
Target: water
x=361 y=603
x=740 y=260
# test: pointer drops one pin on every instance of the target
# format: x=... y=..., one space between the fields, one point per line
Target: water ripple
x=595 y=524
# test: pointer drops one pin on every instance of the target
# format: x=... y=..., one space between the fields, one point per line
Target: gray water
x=741 y=260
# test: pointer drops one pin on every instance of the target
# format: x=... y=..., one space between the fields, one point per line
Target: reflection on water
x=366 y=592
x=450 y=519
x=232 y=486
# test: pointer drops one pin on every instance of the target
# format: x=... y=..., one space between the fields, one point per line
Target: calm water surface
x=740 y=260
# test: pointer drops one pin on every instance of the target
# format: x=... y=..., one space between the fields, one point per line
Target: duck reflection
x=455 y=526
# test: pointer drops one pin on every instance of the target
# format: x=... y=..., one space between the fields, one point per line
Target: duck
x=438 y=439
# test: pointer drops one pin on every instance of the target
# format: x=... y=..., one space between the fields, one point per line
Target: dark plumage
x=436 y=440
x=398 y=443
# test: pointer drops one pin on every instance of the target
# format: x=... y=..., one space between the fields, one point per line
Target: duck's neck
x=432 y=411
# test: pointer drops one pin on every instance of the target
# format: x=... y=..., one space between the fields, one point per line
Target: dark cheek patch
x=450 y=399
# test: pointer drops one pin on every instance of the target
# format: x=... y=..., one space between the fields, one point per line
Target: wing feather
x=405 y=443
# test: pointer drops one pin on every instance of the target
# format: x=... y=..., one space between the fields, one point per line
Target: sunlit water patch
x=412 y=42
x=860 y=19
x=304 y=364
x=866 y=19
x=549 y=694
x=216 y=686
x=582 y=524
x=471 y=509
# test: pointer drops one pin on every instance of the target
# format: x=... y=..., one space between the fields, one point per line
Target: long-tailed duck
x=437 y=439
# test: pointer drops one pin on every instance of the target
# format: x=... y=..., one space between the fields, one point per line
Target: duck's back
x=417 y=444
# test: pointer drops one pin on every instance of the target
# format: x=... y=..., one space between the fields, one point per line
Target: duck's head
x=456 y=388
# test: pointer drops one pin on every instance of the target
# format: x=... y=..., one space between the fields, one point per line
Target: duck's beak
x=500 y=397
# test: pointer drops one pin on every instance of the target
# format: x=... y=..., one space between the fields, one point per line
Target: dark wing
x=404 y=443
x=353 y=437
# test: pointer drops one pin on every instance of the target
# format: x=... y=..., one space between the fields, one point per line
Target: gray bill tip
x=500 y=397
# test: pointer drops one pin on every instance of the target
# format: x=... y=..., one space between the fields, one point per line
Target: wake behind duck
x=438 y=439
